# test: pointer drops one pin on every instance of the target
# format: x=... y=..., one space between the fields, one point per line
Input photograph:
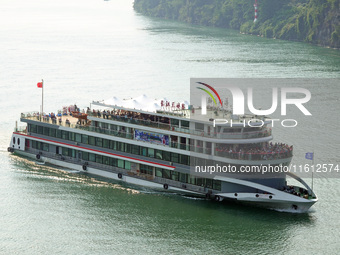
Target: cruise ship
x=168 y=146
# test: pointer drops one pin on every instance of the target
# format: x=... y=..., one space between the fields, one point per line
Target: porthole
x=13 y=140
x=18 y=141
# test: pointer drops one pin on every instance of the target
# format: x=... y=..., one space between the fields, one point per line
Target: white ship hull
x=280 y=201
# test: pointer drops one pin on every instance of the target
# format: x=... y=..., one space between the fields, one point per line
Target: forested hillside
x=313 y=21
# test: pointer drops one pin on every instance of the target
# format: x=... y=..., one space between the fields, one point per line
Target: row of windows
x=114 y=145
x=117 y=162
x=124 y=164
x=87 y=156
x=187 y=178
x=40 y=146
x=123 y=147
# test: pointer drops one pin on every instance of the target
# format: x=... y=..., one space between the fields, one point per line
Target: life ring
x=37 y=156
x=120 y=176
x=165 y=186
x=217 y=198
x=84 y=167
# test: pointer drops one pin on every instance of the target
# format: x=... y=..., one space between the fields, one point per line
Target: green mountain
x=312 y=21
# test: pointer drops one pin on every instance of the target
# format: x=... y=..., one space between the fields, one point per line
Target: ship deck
x=66 y=120
x=192 y=114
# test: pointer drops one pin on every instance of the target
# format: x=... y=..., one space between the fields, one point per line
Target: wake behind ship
x=167 y=146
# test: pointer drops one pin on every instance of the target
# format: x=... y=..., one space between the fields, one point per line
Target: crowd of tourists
x=250 y=152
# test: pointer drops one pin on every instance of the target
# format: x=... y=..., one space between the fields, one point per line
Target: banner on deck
x=151 y=137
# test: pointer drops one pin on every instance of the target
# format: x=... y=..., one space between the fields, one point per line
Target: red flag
x=39 y=84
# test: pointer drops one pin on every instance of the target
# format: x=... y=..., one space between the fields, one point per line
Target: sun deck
x=191 y=113
x=67 y=120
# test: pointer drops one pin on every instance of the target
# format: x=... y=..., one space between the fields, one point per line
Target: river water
x=91 y=50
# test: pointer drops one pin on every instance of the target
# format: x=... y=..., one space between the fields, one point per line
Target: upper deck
x=190 y=113
x=216 y=123
x=149 y=122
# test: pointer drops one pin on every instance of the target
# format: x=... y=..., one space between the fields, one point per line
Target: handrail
x=255 y=155
x=232 y=135
x=294 y=176
x=148 y=123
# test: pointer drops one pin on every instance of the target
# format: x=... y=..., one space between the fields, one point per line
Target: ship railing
x=36 y=116
x=148 y=123
x=181 y=146
x=166 y=126
x=255 y=155
x=265 y=132
x=245 y=135
x=21 y=129
x=117 y=133
x=30 y=115
x=190 y=147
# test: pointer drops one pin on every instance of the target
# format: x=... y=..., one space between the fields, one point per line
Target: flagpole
x=42 y=99
x=313 y=170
